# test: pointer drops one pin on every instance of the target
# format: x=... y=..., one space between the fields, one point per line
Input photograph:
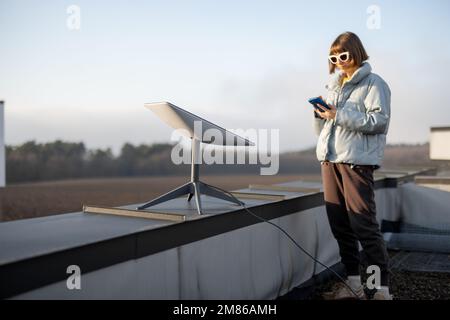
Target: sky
x=240 y=64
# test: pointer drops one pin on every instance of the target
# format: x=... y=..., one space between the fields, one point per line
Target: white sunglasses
x=343 y=57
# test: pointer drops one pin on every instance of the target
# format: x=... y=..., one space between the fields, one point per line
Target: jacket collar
x=357 y=76
x=360 y=73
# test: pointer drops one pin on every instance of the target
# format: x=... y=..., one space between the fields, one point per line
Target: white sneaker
x=382 y=295
x=341 y=292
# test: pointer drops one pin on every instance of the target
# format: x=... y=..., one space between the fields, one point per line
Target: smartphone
x=318 y=100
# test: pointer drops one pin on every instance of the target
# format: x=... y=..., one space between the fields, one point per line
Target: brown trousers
x=350 y=204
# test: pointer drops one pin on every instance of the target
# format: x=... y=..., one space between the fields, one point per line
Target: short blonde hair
x=348 y=41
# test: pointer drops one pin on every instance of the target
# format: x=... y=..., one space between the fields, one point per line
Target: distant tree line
x=33 y=161
x=57 y=160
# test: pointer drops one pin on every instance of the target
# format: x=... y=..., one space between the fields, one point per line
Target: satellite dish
x=179 y=118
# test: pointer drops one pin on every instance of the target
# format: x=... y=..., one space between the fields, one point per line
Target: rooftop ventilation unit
x=439 y=143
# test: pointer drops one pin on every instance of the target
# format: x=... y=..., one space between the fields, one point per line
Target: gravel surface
x=407 y=285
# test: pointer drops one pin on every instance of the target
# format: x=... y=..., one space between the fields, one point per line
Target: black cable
x=290 y=237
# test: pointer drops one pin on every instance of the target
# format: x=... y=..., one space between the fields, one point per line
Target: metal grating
x=421 y=262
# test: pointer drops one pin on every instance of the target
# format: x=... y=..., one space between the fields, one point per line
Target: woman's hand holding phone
x=322 y=109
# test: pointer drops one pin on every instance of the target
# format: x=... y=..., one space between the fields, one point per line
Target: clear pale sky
x=241 y=64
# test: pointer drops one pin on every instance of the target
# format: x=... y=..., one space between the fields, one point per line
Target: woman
x=352 y=136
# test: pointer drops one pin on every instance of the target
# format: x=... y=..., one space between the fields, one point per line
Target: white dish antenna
x=179 y=118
